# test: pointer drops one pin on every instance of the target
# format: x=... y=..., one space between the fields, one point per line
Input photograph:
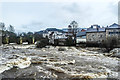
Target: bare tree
x=2 y=26
x=11 y=29
x=74 y=26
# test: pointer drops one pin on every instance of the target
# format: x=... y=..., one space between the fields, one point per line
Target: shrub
x=69 y=41
x=42 y=43
x=109 y=44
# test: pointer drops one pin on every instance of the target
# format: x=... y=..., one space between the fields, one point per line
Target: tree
x=30 y=33
x=69 y=41
x=30 y=37
x=42 y=43
x=11 y=29
x=2 y=26
x=12 y=37
x=74 y=26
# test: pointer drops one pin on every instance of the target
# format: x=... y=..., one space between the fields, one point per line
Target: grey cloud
x=59 y=15
x=73 y=8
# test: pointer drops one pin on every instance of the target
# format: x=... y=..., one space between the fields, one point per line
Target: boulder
x=115 y=52
x=61 y=49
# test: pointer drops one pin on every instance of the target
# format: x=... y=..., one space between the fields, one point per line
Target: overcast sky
x=36 y=16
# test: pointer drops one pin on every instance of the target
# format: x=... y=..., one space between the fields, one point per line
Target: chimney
x=97 y=29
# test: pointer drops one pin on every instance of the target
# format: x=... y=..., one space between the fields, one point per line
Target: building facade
x=95 y=34
x=81 y=36
x=98 y=35
x=113 y=33
x=52 y=34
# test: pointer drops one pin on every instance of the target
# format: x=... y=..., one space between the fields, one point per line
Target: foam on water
x=14 y=61
x=54 y=63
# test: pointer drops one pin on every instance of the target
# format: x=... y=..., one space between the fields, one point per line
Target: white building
x=81 y=37
x=53 y=33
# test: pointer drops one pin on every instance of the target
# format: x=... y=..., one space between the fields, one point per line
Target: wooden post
x=7 y=40
x=20 y=40
x=33 y=40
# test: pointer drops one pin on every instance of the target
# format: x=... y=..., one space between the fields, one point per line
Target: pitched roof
x=41 y=32
x=79 y=29
x=79 y=34
x=65 y=29
x=54 y=29
x=95 y=29
x=113 y=26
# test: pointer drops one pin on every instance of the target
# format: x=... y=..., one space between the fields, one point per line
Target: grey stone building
x=98 y=35
x=95 y=34
x=113 y=33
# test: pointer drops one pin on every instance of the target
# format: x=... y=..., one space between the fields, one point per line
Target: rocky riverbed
x=18 y=61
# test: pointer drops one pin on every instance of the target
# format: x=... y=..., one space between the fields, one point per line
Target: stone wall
x=95 y=37
x=113 y=34
x=101 y=37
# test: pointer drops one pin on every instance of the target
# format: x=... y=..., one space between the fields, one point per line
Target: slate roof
x=79 y=34
x=81 y=29
x=95 y=30
x=41 y=32
x=113 y=26
x=54 y=29
x=66 y=29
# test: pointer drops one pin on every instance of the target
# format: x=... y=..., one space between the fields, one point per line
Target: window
x=102 y=40
x=101 y=36
x=114 y=32
x=99 y=41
